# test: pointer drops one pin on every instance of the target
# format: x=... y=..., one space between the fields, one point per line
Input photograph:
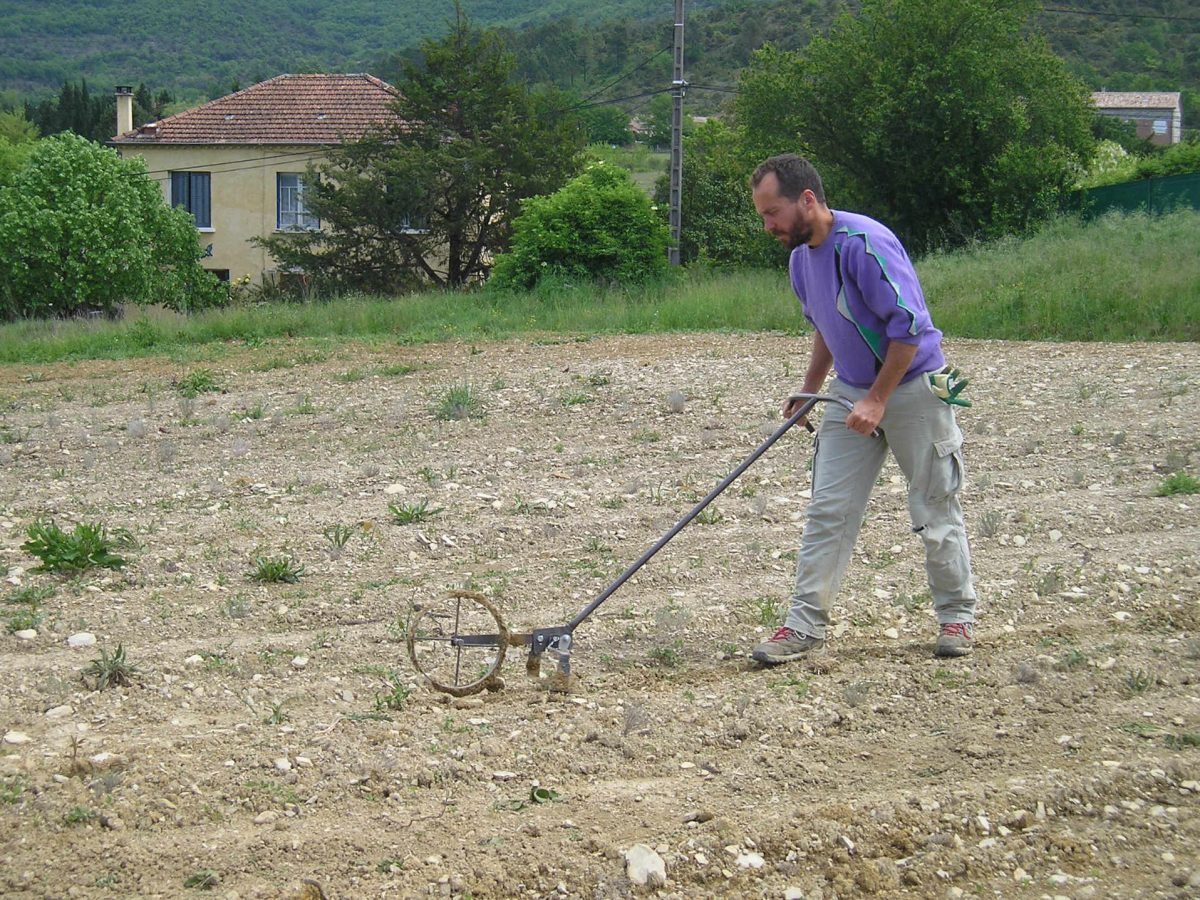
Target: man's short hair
x=795 y=175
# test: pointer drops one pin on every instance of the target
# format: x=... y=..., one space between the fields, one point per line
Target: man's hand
x=866 y=416
x=790 y=407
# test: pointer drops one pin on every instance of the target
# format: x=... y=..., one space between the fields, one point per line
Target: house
x=1158 y=116
x=237 y=163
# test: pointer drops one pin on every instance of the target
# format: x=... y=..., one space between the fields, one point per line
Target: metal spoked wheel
x=457 y=643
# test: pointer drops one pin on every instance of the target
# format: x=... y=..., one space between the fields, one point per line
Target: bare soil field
x=276 y=742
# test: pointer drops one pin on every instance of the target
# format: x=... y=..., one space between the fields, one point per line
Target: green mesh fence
x=1153 y=195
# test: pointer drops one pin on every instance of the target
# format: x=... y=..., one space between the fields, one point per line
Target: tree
x=81 y=229
x=720 y=226
x=606 y=124
x=17 y=138
x=430 y=198
x=948 y=118
x=599 y=226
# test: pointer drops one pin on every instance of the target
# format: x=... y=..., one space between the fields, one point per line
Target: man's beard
x=801 y=233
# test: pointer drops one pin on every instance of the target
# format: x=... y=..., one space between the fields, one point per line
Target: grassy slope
x=1120 y=278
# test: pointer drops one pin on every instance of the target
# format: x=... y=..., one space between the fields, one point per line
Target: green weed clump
x=110 y=670
x=461 y=401
x=200 y=381
x=275 y=570
x=412 y=513
x=1177 y=483
x=87 y=547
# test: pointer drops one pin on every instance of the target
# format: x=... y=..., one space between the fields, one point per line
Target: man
x=858 y=289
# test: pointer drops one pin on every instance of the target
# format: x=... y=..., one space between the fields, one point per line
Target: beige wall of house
x=243 y=195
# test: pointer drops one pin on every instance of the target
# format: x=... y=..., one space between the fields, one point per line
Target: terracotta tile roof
x=1134 y=100
x=286 y=109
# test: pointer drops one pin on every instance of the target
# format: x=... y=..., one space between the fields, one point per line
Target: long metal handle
x=804 y=410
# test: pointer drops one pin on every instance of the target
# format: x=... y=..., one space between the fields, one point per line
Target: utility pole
x=678 y=85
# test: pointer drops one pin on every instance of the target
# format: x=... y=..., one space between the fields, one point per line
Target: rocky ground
x=275 y=741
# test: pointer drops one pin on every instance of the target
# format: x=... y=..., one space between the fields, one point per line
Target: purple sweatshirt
x=859 y=290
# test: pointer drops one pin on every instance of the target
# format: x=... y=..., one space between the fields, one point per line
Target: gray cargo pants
x=925 y=439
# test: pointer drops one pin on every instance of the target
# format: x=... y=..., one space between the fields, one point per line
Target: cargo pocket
x=946 y=471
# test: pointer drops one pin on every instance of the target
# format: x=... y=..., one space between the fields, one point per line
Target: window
x=1160 y=126
x=292 y=214
x=193 y=191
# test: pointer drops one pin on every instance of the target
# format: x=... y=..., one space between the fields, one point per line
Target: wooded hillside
x=203 y=48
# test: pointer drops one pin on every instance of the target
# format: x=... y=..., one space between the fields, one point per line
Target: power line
x=621 y=78
x=259 y=160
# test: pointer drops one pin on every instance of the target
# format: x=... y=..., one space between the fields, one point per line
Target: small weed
x=396 y=370
x=305 y=406
x=338 y=535
x=670 y=655
x=236 y=607
x=79 y=815
x=763 y=611
x=202 y=880
x=945 y=678
x=576 y=398
x=412 y=513
x=599 y=379
x=13 y=789
x=110 y=670
x=1138 y=681
x=275 y=570
x=200 y=381
x=1177 y=483
x=214 y=659
x=323 y=641
x=1073 y=659
x=647 y=436
x=990 y=522
x=86 y=547
x=391 y=865
x=460 y=401
x=23 y=619
x=1077 y=429
x=612 y=503
x=913 y=602
x=1141 y=729
x=1182 y=740
x=596 y=545
x=710 y=516
x=396 y=694
x=352 y=376
x=798 y=687
x=278 y=715
x=253 y=413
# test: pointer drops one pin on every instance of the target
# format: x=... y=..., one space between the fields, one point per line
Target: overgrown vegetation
x=1070 y=281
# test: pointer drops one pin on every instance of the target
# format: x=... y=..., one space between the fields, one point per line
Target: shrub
x=83 y=230
x=599 y=226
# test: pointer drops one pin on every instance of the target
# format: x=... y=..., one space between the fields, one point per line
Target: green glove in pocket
x=946 y=384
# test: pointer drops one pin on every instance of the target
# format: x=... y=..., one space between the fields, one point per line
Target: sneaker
x=955 y=639
x=786 y=645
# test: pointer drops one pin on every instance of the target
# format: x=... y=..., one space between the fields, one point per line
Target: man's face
x=791 y=221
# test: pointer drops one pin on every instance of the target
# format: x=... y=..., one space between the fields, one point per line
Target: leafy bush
x=84 y=548
x=1178 y=159
x=83 y=230
x=599 y=226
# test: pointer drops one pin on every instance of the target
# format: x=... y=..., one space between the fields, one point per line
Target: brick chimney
x=124 y=109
